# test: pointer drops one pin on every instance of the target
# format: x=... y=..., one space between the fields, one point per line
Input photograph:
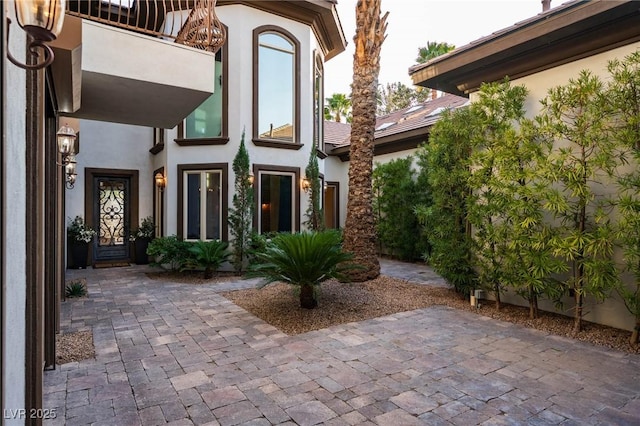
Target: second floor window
x=276 y=89
x=207 y=120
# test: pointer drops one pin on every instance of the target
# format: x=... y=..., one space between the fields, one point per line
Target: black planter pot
x=141 y=245
x=79 y=253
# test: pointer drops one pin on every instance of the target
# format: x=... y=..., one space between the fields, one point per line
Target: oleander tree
x=623 y=97
x=510 y=234
x=580 y=166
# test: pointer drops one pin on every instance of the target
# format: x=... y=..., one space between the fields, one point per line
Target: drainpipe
x=546 y=5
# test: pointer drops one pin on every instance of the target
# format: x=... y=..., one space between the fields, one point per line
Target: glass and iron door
x=111 y=213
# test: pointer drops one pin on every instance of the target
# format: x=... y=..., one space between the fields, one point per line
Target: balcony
x=115 y=67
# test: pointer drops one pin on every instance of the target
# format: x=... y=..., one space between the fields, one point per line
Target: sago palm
x=305 y=260
x=209 y=255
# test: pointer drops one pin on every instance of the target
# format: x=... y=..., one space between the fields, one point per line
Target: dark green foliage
x=623 y=97
x=574 y=117
x=258 y=244
x=315 y=217
x=169 y=252
x=241 y=214
x=75 y=288
x=146 y=230
x=304 y=260
x=396 y=194
x=208 y=255
x=444 y=221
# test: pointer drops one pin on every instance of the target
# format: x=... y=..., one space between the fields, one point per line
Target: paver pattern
x=182 y=354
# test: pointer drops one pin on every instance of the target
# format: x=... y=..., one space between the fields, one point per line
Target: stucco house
x=159 y=122
x=539 y=53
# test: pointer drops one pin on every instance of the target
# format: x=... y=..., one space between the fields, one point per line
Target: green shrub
x=169 y=252
x=258 y=244
x=75 y=288
x=396 y=194
x=304 y=260
x=208 y=255
x=444 y=216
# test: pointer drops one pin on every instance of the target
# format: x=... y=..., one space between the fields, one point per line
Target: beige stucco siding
x=612 y=312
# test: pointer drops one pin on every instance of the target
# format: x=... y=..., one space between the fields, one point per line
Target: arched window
x=276 y=94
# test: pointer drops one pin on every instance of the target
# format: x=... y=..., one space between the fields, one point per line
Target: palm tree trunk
x=359 y=232
x=307 y=298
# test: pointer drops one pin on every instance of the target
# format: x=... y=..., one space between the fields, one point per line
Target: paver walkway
x=183 y=354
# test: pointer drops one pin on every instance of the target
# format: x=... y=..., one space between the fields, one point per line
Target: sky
x=412 y=23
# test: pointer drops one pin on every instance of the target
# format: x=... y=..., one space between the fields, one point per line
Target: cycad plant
x=208 y=255
x=304 y=260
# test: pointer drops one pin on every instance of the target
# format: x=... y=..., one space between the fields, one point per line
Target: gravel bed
x=73 y=347
x=340 y=303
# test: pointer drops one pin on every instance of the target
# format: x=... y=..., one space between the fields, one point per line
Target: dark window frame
x=271 y=169
x=223 y=139
x=224 y=206
x=256 y=139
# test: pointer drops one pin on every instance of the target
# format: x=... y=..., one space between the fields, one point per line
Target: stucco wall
x=113 y=146
x=241 y=21
x=612 y=312
x=108 y=145
x=13 y=261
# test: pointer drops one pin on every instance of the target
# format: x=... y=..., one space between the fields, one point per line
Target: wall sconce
x=66 y=141
x=252 y=178
x=70 y=171
x=161 y=181
x=42 y=20
x=306 y=184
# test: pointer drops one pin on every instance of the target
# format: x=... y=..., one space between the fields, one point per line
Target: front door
x=112 y=214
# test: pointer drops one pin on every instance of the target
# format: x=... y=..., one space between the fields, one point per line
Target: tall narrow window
x=278 y=207
x=202 y=205
x=318 y=105
x=276 y=90
x=207 y=120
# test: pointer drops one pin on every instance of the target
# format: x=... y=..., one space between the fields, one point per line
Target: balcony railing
x=190 y=22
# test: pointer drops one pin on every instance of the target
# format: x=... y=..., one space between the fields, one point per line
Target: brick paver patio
x=183 y=354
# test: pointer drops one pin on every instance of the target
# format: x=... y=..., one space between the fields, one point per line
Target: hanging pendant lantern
x=202 y=29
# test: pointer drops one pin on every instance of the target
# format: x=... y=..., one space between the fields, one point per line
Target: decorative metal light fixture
x=161 y=181
x=306 y=184
x=252 y=178
x=42 y=20
x=202 y=29
x=66 y=141
x=70 y=170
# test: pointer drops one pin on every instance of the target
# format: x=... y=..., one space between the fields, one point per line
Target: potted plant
x=141 y=238
x=79 y=236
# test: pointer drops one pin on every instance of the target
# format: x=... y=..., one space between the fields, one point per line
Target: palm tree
x=338 y=106
x=305 y=260
x=433 y=50
x=359 y=231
